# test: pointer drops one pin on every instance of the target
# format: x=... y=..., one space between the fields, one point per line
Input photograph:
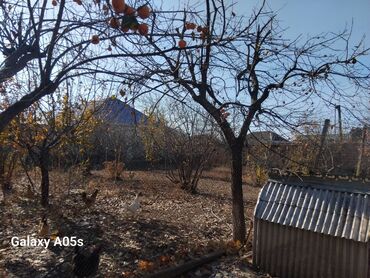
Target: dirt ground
x=171 y=227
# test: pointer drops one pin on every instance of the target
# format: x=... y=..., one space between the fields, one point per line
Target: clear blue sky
x=315 y=16
x=312 y=17
x=309 y=17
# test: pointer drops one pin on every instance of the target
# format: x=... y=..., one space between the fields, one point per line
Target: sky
x=315 y=16
x=310 y=17
x=306 y=17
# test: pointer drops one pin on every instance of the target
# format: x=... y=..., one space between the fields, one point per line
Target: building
x=117 y=137
x=313 y=228
x=266 y=149
x=266 y=138
x=115 y=111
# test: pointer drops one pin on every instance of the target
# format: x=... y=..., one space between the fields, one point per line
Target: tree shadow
x=125 y=241
x=22 y=269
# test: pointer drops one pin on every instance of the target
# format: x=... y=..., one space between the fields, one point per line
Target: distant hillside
x=115 y=111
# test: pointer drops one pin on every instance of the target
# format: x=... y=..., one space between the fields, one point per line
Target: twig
x=214 y=214
x=154 y=201
x=249 y=231
x=177 y=271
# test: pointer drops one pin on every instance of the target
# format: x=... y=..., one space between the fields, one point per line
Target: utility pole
x=340 y=123
x=322 y=141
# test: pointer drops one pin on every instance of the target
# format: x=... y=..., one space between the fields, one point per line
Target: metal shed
x=313 y=228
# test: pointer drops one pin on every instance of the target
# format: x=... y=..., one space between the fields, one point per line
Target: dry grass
x=170 y=220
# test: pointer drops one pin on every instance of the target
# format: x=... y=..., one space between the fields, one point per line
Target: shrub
x=114 y=169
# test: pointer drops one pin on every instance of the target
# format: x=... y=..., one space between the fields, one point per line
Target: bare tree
x=243 y=72
x=59 y=40
x=184 y=138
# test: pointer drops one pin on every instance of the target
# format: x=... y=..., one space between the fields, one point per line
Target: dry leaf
x=127 y=274
x=145 y=265
x=164 y=260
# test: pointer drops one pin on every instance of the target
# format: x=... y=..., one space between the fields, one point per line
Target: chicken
x=44 y=231
x=135 y=205
x=89 y=201
x=86 y=262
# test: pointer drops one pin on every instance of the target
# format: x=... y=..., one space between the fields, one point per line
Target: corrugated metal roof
x=341 y=211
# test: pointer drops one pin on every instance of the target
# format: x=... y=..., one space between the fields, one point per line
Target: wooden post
x=359 y=161
x=322 y=141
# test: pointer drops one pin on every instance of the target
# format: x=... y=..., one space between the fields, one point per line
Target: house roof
x=115 y=111
x=265 y=137
x=317 y=137
x=340 y=209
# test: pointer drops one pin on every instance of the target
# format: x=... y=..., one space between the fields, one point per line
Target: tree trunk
x=239 y=229
x=26 y=101
x=44 y=167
